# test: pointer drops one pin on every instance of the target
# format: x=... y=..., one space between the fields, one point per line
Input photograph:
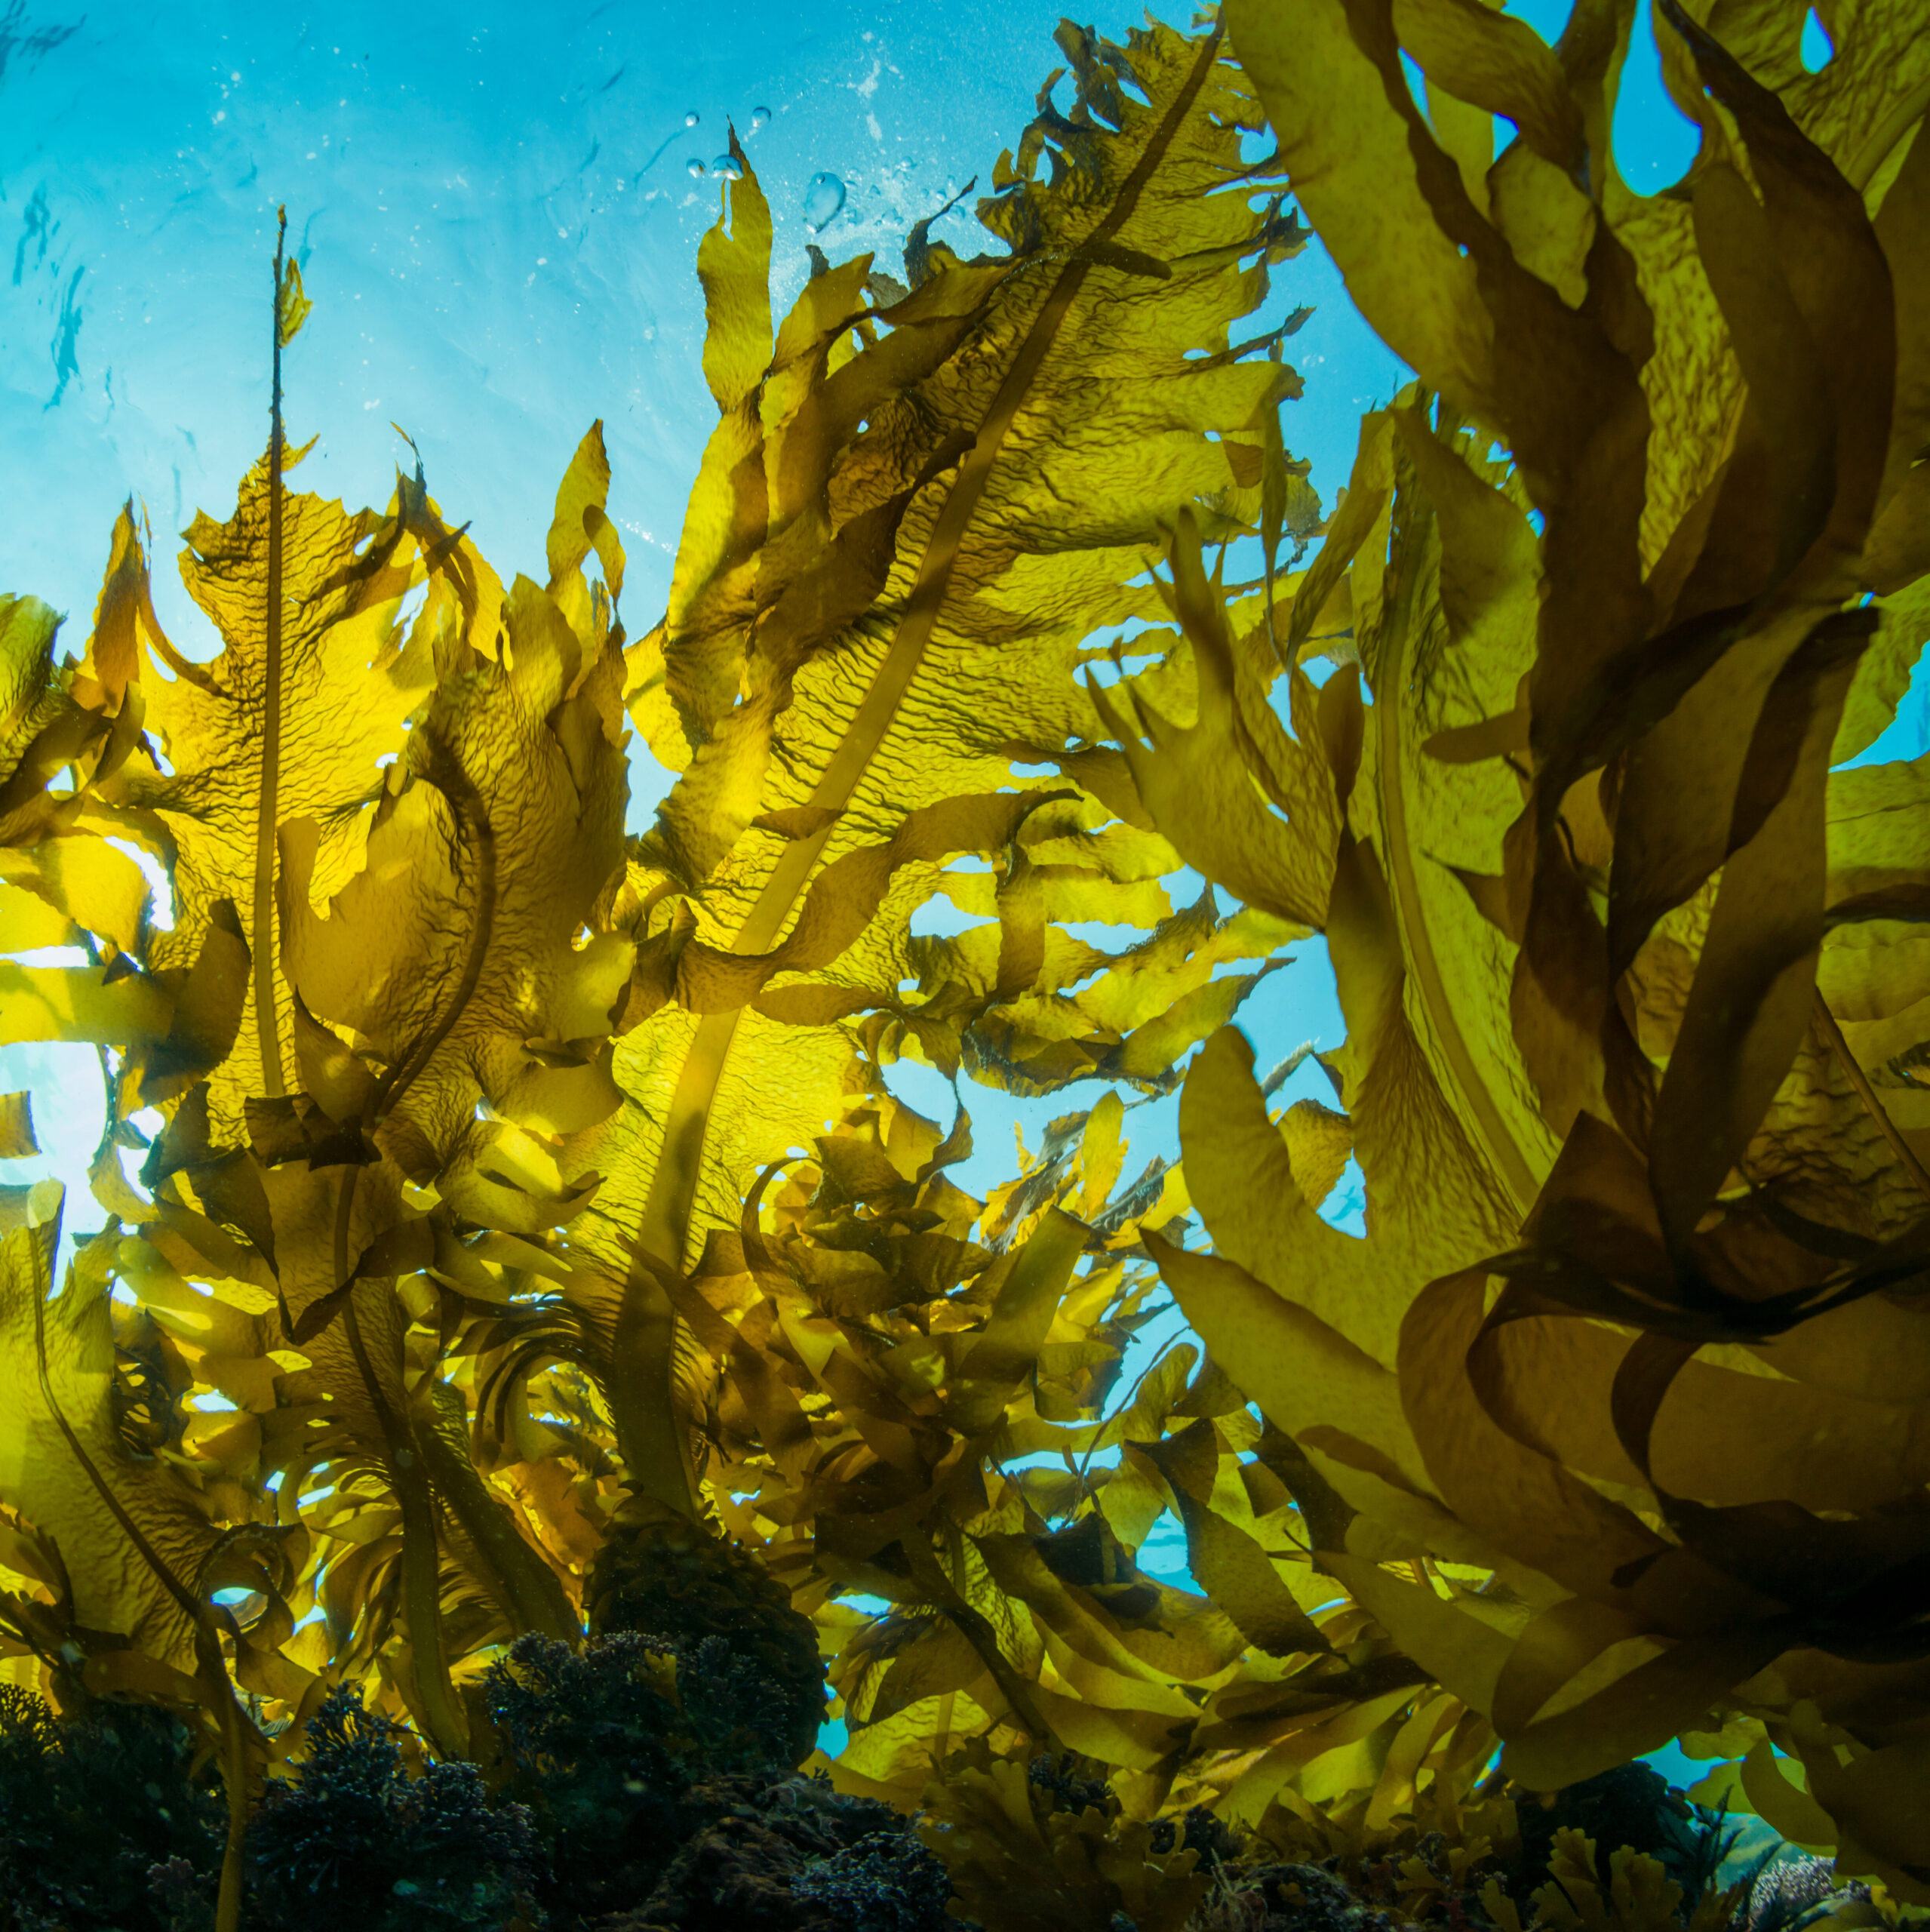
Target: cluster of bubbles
x=824 y=198
x=725 y=166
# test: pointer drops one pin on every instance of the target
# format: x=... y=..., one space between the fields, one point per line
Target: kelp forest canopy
x=521 y=1187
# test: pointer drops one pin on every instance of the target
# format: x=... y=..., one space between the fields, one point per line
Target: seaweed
x=92 y=1803
x=795 y=1856
x=887 y=1881
x=660 y=1803
x=1633 y=1806
x=354 y=1839
x=537 y=1198
x=624 y=1752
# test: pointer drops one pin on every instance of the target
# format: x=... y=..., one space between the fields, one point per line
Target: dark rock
x=797 y=1857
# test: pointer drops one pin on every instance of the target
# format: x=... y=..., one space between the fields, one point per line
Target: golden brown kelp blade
x=141 y=1559
x=303 y=1187
x=1495 y=278
x=1442 y=592
x=416 y=997
x=1713 y=399
x=452 y=934
x=16 y=1138
x=878 y=1370
x=1275 y=849
x=908 y=522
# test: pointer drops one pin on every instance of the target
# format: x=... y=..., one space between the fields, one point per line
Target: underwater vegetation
x=530 y=1340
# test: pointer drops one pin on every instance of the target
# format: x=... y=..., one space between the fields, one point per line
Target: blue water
x=497 y=210
x=497 y=220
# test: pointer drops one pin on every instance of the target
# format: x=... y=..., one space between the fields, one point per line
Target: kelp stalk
x=267 y=806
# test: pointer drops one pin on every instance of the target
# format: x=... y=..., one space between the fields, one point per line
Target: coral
x=356 y=1841
x=92 y=1801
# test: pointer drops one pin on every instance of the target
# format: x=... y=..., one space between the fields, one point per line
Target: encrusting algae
x=601 y=1335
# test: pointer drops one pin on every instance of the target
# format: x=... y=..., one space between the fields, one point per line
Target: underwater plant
x=623 y=1750
x=92 y=1804
x=355 y=1839
x=440 y=1087
x=528 y=1318
x=1627 y=942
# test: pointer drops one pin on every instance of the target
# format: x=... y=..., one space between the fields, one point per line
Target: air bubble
x=822 y=200
x=726 y=166
x=1818 y=49
x=695 y=168
x=690 y=119
x=760 y=118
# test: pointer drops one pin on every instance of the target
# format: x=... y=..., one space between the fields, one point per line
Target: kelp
x=945 y=1415
x=435 y=1101
x=1639 y=1894
x=1633 y=996
x=914 y=511
x=525 y=1186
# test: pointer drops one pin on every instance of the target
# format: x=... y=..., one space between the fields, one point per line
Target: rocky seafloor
x=638 y=1786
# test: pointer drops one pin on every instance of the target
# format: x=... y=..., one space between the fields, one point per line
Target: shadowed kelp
x=1632 y=974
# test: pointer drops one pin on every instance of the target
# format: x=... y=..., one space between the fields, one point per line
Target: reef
x=637 y=1785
